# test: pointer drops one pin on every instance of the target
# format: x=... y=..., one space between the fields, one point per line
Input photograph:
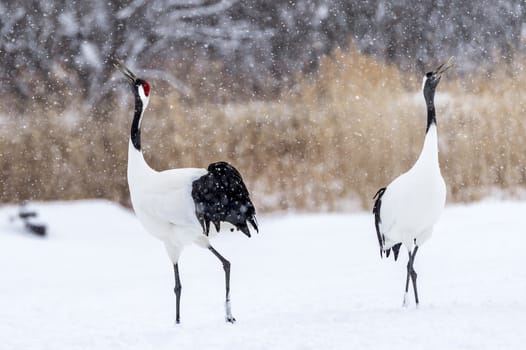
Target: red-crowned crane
x=406 y=211
x=178 y=205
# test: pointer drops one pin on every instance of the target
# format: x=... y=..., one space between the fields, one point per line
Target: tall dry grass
x=48 y=156
x=330 y=142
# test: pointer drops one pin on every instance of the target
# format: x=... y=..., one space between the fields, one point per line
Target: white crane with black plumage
x=178 y=205
x=407 y=209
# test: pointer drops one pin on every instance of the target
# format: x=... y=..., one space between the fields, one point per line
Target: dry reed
x=329 y=143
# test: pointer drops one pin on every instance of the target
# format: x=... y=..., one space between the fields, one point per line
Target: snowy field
x=99 y=281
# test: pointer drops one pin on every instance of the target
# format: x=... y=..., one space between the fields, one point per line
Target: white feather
x=414 y=201
x=163 y=202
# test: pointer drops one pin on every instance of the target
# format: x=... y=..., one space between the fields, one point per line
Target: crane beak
x=444 y=67
x=127 y=73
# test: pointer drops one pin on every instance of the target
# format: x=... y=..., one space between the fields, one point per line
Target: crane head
x=140 y=87
x=431 y=79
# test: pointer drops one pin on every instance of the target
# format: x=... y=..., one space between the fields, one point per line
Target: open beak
x=127 y=73
x=444 y=67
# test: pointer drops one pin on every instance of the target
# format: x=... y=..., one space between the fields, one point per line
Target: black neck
x=431 y=116
x=136 y=127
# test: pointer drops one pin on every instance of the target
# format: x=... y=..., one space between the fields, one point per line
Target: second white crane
x=407 y=209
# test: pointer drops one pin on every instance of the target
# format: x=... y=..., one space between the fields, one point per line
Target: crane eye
x=146 y=88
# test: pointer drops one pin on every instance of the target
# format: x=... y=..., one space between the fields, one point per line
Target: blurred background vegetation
x=318 y=103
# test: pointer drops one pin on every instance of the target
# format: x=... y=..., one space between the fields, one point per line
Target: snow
x=307 y=281
x=69 y=23
x=90 y=54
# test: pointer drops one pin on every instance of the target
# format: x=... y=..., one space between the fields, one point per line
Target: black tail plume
x=377 y=219
x=221 y=195
x=396 y=250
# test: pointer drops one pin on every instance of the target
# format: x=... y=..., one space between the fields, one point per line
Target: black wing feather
x=396 y=250
x=377 y=219
x=221 y=195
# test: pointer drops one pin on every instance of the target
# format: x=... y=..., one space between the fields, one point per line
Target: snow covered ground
x=98 y=281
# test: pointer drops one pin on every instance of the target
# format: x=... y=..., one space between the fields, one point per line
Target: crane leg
x=177 y=291
x=411 y=273
x=404 y=303
x=226 y=267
